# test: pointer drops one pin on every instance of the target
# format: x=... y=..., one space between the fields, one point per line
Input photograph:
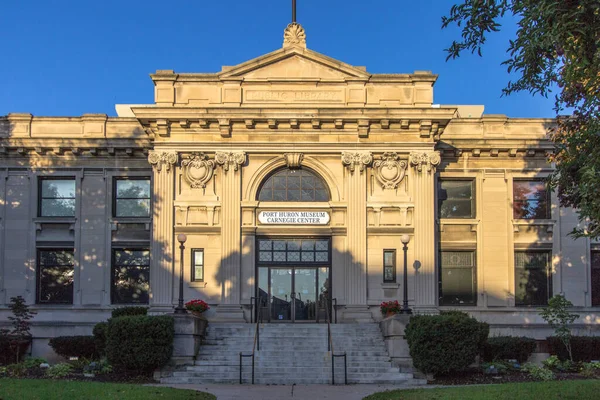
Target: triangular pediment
x=294 y=64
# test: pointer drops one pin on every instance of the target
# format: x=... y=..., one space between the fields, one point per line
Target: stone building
x=294 y=176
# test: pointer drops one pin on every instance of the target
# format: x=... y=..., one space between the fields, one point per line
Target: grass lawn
x=578 y=390
x=45 y=389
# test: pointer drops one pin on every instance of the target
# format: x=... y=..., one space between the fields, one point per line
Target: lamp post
x=180 y=309
x=405 y=309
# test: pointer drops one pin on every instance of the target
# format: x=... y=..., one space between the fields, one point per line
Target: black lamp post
x=180 y=309
x=405 y=309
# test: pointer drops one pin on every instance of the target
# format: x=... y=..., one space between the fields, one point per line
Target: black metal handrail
x=255 y=346
x=330 y=347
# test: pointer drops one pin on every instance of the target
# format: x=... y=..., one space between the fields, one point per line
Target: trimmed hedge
x=445 y=343
x=584 y=348
x=74 y=346
x=140 y=343
x=508 y=348
x=99 y=332
x=13 y=349
x=129 y=311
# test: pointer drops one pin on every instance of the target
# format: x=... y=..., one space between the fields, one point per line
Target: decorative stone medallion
x=230 y=159
x=158 y=159
x=390 y=170
x=294 y=35
x=428 y=160
x=198 y=170
x=360 y=159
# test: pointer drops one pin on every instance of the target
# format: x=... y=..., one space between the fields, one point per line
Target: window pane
x=532 y=278
x=457 y=274
x=58 y=188
x=265 y=256
x=388 y=274
x=130 y=276
x=55 y=276
x=530 y=200
x=294 y=185
x=308 y=257
x=456 y=199
x=198 y=265
x=133 y=208
x=321 y=256
x=388 y=258
x=293 y=251
x=133 y=188
x=198 y=257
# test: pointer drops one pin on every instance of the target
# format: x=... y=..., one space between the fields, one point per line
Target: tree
x=559 y=317
x=557 y=47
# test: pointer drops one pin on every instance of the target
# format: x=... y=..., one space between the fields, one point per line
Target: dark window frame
x=595 y=292
x=38 y=285
x=473 y=274
x=266 y=263
x=194 y=278
x=473 y=199
x=548 y=269
x=393 y=266
x=113 y=250
x=115 y=195
x=547 y=198
x=41 y=197
x=274 y=174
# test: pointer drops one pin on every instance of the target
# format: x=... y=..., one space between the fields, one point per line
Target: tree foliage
x=558 y=316
x=557 y=47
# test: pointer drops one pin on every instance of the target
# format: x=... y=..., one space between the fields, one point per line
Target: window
x=132 y=197
x=389 y=266
x=294 y=185
x=130 y=276
x=197 y=265
x=293 y=251
x=55 y=276
x=56 y=197
x=457 y=284
x=530 y=200
x=595 y=276
x=455 y=199
x=533 y=278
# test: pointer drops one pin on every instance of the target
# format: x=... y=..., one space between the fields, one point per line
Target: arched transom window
x=294 y=185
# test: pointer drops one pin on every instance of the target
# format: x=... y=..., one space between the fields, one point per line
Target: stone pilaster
x=356 y=259
x=231 y=223
x=161 y=261
x=424 y=164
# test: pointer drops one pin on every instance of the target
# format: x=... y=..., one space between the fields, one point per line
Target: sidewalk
x=296 y=392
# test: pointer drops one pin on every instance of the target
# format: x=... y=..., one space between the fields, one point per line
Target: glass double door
x=292 y=293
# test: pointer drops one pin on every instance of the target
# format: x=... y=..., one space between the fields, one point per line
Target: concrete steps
x=291 y=353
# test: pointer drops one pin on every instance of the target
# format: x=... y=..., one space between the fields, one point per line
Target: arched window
x=294 y=185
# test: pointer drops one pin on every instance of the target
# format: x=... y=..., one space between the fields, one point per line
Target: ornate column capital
x=429 y=160
x=362 y=159
x=293 y=160
x=230 y=159
x=390 y=170
x=198 y=169
x=158 y=159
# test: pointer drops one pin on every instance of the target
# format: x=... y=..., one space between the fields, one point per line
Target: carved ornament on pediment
x=362 y=159
x=230 y=159
x=158 y=159
x=294 y=35
x=198 y=170
x=293 y=160
x=390 y=170
x=429 y=160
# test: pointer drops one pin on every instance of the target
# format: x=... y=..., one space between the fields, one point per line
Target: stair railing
x=255 y=346
x=330 y=346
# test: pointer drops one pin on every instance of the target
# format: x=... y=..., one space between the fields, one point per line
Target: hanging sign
x=293 y=217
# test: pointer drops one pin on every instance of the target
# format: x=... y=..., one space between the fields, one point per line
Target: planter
x=390 y=314
x=199 y=314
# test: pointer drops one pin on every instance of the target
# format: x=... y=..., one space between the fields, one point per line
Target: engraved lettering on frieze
x=158 y=159
x=230 y=159
x=354 y=159
x=293 y=160
x=198 y=170
x=428 y=160
x=390 y=170
x=294 y=95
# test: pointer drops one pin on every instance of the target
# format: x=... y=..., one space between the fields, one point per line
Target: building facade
x=293 y=176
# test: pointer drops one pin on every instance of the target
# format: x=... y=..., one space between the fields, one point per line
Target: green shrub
x=74 y=346
x=58 y=371
x=445 y=343
x=140 y=343
x=33 y=362
x=539 y=373
x=18 y=370
x=508 y=348
x=584 y=348
x=99 y=333
x=12 y=348
x=129 y=311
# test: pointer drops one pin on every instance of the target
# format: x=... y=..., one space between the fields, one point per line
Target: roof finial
x=294 y=34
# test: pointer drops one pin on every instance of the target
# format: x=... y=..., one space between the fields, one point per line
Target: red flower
x=197 y=305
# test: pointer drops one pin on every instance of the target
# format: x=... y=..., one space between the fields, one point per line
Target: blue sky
x=70 y=57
